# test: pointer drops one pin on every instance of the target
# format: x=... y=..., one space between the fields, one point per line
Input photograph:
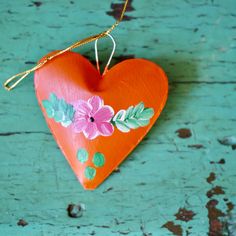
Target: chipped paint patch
x=215 y=225
x=116 y=9
x=173 y=228
x=196 y=146
x=217 y=190
x=184 y=133
x=228 y=141
x=22 y=223
x=211 y=177
x=184 y=215
x=218 y=220
x=221 y=161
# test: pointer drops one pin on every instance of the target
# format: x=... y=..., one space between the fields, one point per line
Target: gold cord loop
x=20 y=76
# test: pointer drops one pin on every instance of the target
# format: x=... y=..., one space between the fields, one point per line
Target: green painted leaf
x=120 y=115
x=132 y=123
x=143 y=123
x=70 y=112
x=48 y=107
x=58 y=116
x=122 y=126
x=62 y=106
x=82 y=155
x=146 y=114
x=138 y=109
x=53 y=98
x=98 y=159
x=129 y=112
x=66 y=123
x=59 y=110
x=133 y=118
x=90 y=172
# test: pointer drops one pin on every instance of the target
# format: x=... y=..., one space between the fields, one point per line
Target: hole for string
x=109 y=60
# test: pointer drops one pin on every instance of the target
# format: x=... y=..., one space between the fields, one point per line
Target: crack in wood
x=24 y=132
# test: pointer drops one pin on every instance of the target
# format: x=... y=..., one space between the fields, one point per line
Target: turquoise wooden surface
x=195 y=43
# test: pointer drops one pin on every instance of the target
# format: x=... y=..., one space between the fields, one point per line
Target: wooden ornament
x=98 y=120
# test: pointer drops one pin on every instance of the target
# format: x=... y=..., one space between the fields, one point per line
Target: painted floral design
x=98 y=161
x=93 y=118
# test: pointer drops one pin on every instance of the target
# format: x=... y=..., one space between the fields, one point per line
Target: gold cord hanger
x=20 y=76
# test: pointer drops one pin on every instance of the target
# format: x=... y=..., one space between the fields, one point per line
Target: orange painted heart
x=98 y=120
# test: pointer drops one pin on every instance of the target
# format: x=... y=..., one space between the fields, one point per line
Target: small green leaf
x=59 y=110
x=82 y=155
x=70 y=112
x=133 y=118
x=121 y=126
x=62 y=106
x=138 y=109
x=58 y=116
x=132 y=123
x=146 y=114
x=66 y=123
x=53 y=98
x=143 y=123
x=90 y=172
x=48 y=107
x=129 y=112
x=98 y=159
x=120 y=115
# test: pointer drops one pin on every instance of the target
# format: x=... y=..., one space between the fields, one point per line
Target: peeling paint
x=116 y=9
x=228 y=141
x=215 y=225
x=221 y=161
x=211 y=177
x=217 y=190
x=36 y=3
x=196 y=146
x=184 y=133
x=218 y=220
x=184 y=215
x=172 y=227
x=22 y=223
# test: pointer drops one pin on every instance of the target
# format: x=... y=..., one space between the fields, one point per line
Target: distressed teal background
x=195 y=43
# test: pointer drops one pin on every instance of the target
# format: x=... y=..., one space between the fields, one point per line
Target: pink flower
x=93 y=118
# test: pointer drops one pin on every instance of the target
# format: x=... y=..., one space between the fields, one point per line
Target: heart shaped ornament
x=97 y=120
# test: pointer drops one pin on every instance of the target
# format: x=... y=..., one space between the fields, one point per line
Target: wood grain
x=194 y=41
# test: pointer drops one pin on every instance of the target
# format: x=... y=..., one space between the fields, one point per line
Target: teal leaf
x=120 y=115
x=133 y=118
x=90 y=172
x=53 y=98
x=59 y=110
x=98 y=159
x=138 y=109
x=122 y=126
x=66 y=123
x=143 y=123
x=70 y=112
x=48 y=107
x=58 y=116
x=132 y=123
x=129 y=112
x=62 y=105
x=82 y=155
x=146 y=114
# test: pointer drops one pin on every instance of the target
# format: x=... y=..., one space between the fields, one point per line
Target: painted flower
x=93 y=118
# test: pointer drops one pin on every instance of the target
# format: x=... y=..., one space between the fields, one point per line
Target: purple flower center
x=91 y=119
